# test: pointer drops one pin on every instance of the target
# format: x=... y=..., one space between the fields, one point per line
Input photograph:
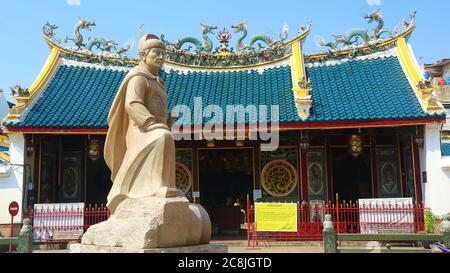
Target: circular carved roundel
x=279 y=178
x=183 y=177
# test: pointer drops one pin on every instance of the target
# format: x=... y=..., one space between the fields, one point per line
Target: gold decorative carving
x=356 y=145
x=279 y=178
x=183 y=177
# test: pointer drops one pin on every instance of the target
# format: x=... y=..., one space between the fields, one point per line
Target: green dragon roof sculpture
x=204 y=53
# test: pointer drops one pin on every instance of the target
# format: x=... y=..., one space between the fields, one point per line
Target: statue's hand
x=149 y=123
x=156 y=125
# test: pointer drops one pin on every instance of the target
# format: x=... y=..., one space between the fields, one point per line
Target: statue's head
x=152 y=51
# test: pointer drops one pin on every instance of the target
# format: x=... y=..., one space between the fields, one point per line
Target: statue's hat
x=149 y=41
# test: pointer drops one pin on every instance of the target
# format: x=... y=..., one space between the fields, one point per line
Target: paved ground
x=241 y=246
x=276 y=249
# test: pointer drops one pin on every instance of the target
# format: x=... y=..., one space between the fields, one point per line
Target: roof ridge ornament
x=360 y=42
x=105 y=46
x=259 y=48
x=187 y=51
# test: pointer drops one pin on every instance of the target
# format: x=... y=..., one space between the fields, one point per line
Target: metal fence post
x=329 y=235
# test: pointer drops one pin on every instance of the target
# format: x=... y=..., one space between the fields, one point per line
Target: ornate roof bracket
x=429 y=98
x=422 y=87
x=301 y=85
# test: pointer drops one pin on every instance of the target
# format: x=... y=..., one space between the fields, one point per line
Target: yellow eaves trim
x=4 y=142
x=407 y=62
x=408 y=66
x=46 y=72
x=4 y=157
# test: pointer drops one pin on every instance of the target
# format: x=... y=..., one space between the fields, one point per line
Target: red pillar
x=373 y=152
x=417 y=171
x=304 y=174
x=329 y=168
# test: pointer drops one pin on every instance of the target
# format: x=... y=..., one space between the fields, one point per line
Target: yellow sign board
x=276 y=217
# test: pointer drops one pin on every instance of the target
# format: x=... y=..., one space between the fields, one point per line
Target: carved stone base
x=209 y=248
x=150 y=223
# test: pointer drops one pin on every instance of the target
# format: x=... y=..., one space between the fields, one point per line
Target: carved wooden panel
x=317 y=174
x=388 y=172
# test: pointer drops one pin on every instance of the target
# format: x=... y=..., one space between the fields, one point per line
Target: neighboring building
x=357 y=121
x=439 y=75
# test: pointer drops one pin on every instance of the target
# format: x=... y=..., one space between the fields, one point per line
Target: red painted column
x=417 y=171
x=329 y=169
x=373 y=152
x=304 y=174
x=402 y=165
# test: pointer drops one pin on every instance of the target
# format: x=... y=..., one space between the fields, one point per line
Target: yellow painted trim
x=297 y=39
x=411 y=70
x=229 y=67
x=46 y=72
x=406 y=59
x=4 y=144
x=4 y=157
x=42 y=79
x=298 y=67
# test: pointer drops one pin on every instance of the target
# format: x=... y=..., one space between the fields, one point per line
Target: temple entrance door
x=351 y=175
x=226 y=178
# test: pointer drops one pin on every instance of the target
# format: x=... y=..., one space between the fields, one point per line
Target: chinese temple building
x=356 y=121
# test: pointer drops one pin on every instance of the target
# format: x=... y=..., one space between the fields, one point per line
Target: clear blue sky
x=23 y=51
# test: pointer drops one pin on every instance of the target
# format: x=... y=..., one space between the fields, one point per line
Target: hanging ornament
x=356 y=146
x=94 y=149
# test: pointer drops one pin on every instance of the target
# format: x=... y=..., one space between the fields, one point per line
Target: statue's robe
x=139 y=148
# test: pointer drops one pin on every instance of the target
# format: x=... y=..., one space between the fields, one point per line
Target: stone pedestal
x=209 y=248
x=150 y=223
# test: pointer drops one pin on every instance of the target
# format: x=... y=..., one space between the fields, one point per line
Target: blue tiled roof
x=359 y=90
x=445 y=149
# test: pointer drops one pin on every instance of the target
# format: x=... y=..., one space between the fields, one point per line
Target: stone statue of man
x=147 y=210
x=140 y=149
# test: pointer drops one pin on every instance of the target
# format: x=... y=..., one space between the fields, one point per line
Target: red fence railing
x=64 y=224
x=347 y=218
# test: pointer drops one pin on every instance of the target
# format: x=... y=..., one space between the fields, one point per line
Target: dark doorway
x=351 y=175
x=226 y=178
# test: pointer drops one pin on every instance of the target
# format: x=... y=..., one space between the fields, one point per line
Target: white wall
x=437 y=188
x=11 y=186
x=4 y=108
